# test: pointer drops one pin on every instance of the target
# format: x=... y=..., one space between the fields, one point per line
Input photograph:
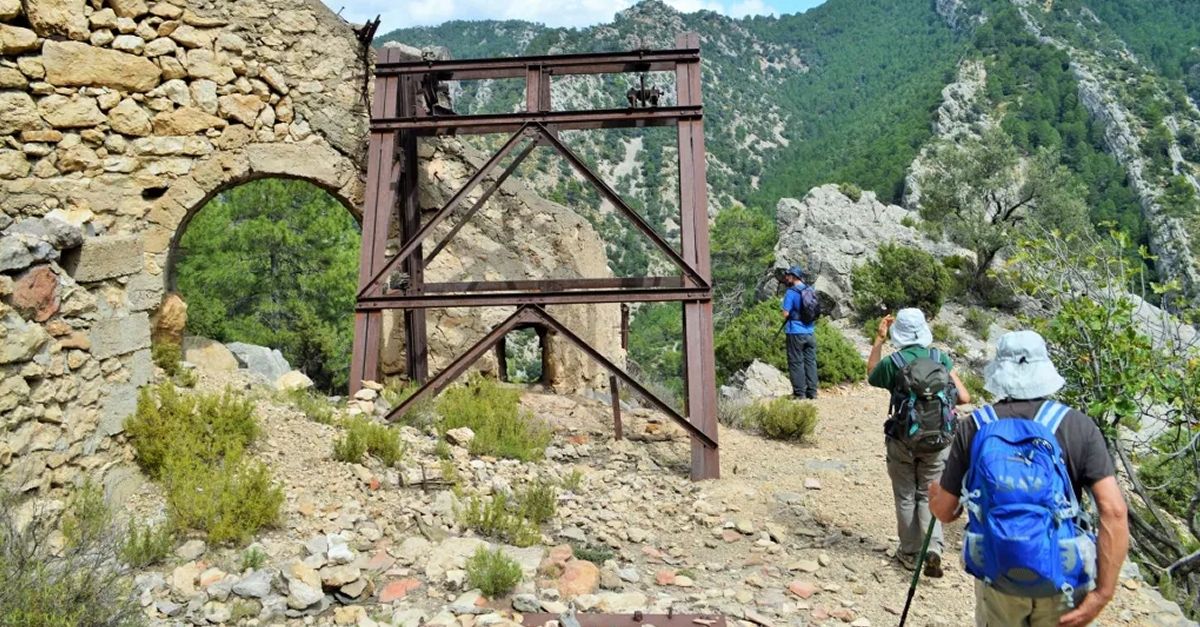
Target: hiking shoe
x=907 y=560
x=933 y=566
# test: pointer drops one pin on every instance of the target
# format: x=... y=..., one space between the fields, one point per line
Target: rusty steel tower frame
x=400 y=115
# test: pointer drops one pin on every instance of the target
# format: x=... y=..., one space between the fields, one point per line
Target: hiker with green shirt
x=920 y=426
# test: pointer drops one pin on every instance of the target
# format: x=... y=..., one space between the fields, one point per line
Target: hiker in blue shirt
x=800 y=326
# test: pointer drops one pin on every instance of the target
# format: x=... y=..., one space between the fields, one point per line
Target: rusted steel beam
x=483 y=198
x=614 y=390
x=441 y=380
x=555 y=284
x=575 y=297
x=616 y=200
x=636 y=619
x=373 y=287
x=699 y=365
x=416 y=336
x=382 y=169
x=537 y=315
x=559 y=120
x=559 y=64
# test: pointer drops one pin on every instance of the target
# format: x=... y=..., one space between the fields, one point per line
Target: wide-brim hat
x=1022 y=369
x=910 y=329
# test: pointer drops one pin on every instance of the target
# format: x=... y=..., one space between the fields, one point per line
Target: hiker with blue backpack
x=1018 y=468
x=801 y=308
x=920 y=426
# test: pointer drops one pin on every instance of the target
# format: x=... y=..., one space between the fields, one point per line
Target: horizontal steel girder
x=560 y=64
x=557 y=120
x=574 y=297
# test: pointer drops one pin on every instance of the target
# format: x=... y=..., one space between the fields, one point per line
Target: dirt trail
x=847 y=458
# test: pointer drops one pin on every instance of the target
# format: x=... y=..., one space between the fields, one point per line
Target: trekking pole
x=912 y=588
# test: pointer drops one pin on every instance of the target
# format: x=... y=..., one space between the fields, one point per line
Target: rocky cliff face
x=828 y=234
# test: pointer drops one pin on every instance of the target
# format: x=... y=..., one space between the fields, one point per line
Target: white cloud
x=751 y=7
x=405 y=13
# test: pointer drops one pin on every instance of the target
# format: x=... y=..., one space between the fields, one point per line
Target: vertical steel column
x=416 y=338
x=382 y=170
x=700 y=380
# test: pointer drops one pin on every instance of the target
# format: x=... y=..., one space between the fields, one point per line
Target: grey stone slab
x=106 y=257
x=120 y=336
x=144 y=291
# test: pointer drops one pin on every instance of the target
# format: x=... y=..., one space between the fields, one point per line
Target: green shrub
x=942 y=333
x=900 y=276
x=87 y=516
x=573 y=482
x=311 y=404
x=851 y=191
x=785 y=419
x=755 y=334
x=167 y=355
x=79 y=585
x=168 y=425
x=187 y=378
x=350 y=447
x=253 y=558
x=493 y=412
x=492 y=572
x=537 y=501
x=230 y=501
x=870 y=327
x=594 y=553
x=838 y=361
x=974 y=384
x=420 y=415
x=147 y=545
x=495 y=518
x=731 y=413
x=979 y=322
x=195 y=444
x=364 y=436
x=442 y=449
x=1169 y=473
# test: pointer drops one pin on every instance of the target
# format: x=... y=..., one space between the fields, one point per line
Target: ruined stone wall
x=119 y=119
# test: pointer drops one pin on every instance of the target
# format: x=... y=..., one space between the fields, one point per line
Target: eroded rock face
x=828 y=234
x=120 y=119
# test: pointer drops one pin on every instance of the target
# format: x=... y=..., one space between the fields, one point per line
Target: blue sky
x=402 y=13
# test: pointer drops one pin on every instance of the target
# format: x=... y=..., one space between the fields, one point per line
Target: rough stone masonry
x=118 y=120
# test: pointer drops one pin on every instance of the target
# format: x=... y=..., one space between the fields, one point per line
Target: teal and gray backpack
x=922 y=413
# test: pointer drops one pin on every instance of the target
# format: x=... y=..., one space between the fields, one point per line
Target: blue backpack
x=1026 y=535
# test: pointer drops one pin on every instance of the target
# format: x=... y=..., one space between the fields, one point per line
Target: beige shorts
x=996 y=609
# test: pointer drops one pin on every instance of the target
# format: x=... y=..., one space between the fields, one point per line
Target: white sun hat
x=910 y=329
x=1022 y=369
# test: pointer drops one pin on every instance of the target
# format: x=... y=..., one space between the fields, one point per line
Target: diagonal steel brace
x=534 y=314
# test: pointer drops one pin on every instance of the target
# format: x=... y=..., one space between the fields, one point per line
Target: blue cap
x=796 y=271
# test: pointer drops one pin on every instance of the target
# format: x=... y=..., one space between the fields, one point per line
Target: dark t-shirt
x=1082 y=443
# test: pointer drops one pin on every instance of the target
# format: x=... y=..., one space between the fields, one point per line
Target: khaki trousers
x=996 y=609
x=911 y=473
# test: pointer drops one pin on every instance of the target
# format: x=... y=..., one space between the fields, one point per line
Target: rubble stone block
x=144 y=291
x=120 y=336
x=107 y=257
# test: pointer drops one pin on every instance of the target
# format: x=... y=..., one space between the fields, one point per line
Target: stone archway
x=117 y=121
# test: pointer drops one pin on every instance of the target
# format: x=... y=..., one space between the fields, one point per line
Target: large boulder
x=758 y=381
x=208 y=355
x=268 y=362
x=828 y=234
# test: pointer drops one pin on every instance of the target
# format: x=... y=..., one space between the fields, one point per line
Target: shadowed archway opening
x=273 y=262
x=523 y=356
